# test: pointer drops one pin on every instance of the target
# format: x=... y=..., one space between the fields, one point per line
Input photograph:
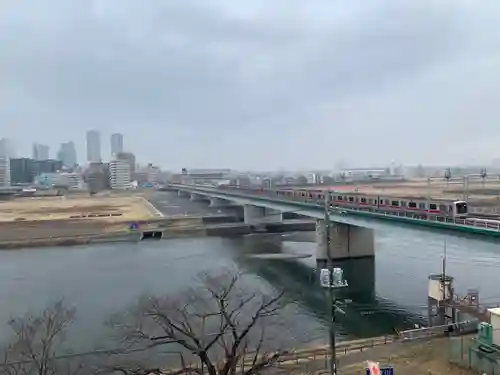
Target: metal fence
x=465 y=352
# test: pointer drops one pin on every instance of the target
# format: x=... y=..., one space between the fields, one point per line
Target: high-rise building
x=129 y=158
x=93 y=146
x=97 y=176
x=4 y=163
x=4 y=147
x=40 y=152
x=116 y=144
x=67 y=154
x=119 y=174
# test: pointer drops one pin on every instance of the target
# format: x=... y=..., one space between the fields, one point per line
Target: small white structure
x=440 y=287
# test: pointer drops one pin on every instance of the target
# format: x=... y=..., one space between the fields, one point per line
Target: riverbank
x=166 y=228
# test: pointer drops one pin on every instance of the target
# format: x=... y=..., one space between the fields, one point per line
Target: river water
x=385 y=293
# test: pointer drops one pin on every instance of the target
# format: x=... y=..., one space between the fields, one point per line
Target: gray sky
x=255 y=84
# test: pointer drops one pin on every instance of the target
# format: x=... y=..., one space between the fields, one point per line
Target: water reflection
x=366 y=314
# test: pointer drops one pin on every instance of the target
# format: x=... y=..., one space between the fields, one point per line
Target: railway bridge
x=352 y=232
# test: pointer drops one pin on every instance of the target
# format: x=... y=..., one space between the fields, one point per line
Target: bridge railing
x=475 y=223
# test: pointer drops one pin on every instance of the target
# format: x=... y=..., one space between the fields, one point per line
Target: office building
x=40 y=152
x=21 y=170
x=119 y=174
x=116 y=144
x=129 y=158
x=4 y=148
x=4 y=163
x=4 y=172
x=93 y=146
x=97 y=176
x=46 y=166
x=67 y=154
x=71 y=181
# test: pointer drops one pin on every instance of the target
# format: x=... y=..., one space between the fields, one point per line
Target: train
x=416 y=207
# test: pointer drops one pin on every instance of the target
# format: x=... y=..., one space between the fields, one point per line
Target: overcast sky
x=254 y=84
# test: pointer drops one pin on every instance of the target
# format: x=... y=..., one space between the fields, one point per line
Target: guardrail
x=298 y=357
x=477 y=225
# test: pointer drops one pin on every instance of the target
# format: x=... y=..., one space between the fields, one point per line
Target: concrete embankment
x=84 y=233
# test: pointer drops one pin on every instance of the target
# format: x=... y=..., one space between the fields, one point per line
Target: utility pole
x=444 y=272
x=331 y=297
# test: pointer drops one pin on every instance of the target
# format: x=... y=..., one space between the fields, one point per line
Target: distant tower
x=40 y=152
x=393 y=168
x=67 y=154
x=93 y=146
x=116 y=143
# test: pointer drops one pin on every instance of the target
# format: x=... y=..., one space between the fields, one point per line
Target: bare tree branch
x=36 y=340
x=218 y=323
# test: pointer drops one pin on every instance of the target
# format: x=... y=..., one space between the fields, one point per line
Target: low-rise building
x=68 y=180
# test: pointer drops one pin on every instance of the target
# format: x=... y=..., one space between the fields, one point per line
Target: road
x=169 y=204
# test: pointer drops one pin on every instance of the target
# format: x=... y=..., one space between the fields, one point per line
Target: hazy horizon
x=255 y=84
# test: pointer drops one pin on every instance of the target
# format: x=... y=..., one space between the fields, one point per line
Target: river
x=385 y=293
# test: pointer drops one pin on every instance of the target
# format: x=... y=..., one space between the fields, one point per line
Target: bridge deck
x=349 y=216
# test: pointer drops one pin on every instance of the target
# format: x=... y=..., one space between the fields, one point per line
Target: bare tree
x=216 y=325
x=36 y=339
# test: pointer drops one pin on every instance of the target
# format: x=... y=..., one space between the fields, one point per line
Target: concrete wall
x=346 y=241
x=253 y=214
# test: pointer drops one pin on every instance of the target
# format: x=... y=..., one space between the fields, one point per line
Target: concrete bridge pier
x=273 y=216
x=253 y=214
x=256 y=215
x=346 y=241
x=182 y=194
x=196 y=197
x=218 y=202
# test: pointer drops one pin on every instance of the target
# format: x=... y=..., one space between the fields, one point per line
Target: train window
x=421 y=205
x=381 y=201
x=432 y=206
x=403 y=203
x=395 y=203
x=412 y=204
x=461 y=207
x=351 y=199
x=320 y=196
x=363 y=200
x=339 y=197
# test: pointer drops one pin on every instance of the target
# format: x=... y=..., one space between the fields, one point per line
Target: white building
x=4 y=163
x=71 y=181
x=4 y=171
x=152 y=173
x=119 y=174
x=93 y=146
x=116 y=144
